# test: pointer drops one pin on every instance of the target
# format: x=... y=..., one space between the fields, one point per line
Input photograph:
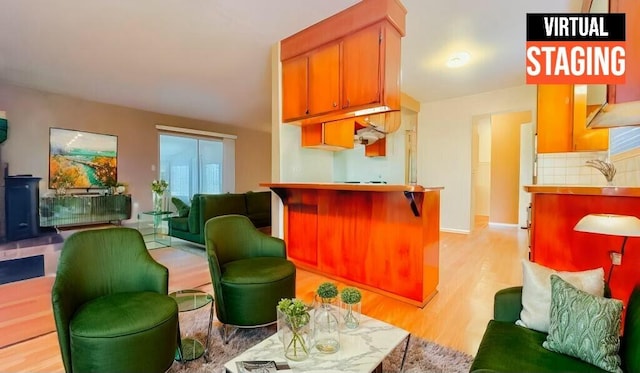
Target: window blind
x=623 y=139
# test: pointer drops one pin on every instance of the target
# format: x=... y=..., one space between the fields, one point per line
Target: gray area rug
x=423 y=356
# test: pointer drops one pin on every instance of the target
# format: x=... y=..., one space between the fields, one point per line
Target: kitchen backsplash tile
x=628 y=171
x=571 y=169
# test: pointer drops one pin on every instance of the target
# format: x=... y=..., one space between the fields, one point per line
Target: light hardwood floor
x=472 y=268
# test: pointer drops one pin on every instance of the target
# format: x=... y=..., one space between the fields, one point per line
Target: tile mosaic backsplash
x=571 y=169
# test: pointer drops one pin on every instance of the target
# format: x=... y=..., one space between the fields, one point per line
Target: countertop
x=364 y=187
x=588 y=190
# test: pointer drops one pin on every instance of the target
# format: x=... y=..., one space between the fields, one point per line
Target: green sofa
x=254 y=205
x=507 y=347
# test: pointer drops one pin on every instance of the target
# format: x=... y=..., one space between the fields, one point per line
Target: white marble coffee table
x=361 y=350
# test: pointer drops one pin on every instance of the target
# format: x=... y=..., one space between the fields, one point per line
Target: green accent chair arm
x=508 y=304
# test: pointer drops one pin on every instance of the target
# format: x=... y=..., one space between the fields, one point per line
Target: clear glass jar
x=326 y=325
x=351 y=314
x=296 y=335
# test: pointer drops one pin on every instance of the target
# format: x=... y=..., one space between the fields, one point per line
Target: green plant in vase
x=351 y=298
x=158 y=188
x=327 y=335
x=327 y=290
x=296 y=319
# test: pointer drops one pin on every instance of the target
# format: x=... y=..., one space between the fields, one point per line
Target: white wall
x=444 y=146
x=300 y=164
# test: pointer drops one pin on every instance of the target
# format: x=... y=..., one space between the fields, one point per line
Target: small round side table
x=191 y=300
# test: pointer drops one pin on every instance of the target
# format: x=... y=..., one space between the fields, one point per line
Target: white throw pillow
x=536 y=291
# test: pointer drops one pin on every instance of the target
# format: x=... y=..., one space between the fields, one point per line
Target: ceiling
x=210 y=59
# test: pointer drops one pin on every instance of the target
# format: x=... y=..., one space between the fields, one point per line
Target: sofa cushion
x=195 y=214
x=258 y=202
x=257 y=270
x=584 y=326
x=181 y=207
x=181 y=224
x=536 y=291
x=506 y=347
x=222 y=204
x=121 y=314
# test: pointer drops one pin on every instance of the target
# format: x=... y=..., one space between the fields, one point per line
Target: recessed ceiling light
x=458 y=59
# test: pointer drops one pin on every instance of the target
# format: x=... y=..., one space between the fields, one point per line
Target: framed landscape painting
x=80 y=159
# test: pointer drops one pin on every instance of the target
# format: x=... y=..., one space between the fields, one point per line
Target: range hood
x=616 y=115
x=368 y=135
x=371 y=128
x=386 y=122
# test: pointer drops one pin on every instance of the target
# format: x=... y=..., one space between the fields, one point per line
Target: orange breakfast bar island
x=380 y=237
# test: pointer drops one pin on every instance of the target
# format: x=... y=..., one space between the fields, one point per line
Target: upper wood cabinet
x=344 y=76
x=352 y=62
x=361 y=67
x=630 y=91
x=311 y=83
x=554 y=118
x=324 y=80
x=561 y=127
x=294 y=85
x=585 y=139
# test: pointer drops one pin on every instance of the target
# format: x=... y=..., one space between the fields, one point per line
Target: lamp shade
x=610 y=224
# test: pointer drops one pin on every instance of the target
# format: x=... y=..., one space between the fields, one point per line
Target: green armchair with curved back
x=249 y=270
x=110 y=304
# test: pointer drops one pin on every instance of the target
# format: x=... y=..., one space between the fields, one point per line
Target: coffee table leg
x=404 y=355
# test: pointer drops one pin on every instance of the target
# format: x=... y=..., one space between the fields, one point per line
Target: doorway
x=502 y=162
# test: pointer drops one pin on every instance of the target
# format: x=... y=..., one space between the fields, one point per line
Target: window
x=623 y=140
x=195 y=164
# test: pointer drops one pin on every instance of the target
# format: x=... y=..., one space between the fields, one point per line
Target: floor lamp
x=612 y=225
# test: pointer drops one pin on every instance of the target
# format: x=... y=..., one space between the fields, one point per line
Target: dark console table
x=21 y=201
x=84 y=209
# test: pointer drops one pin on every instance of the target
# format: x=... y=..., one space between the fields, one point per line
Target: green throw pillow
x=181 y=207
x=584 y=326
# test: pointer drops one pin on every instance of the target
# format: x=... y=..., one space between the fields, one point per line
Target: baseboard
x=503 y=225
x=457 y=231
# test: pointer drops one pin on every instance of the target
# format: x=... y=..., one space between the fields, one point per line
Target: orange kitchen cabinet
x=311 y=83
x=561 y=126
x=336 y=135
x=295 y=88
x=586 y=139
x=629 y=91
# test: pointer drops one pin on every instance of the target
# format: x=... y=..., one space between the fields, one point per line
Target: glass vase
x=295 y=333
x=326 y=325
x=158 y=201
x=351 y=314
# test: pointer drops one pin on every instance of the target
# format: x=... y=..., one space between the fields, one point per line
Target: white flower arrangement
x=159 y=186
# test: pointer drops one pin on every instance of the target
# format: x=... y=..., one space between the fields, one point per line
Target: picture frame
x=82 y=160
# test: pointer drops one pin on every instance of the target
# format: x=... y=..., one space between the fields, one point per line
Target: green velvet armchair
x=110 y=305
x=249 y=271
